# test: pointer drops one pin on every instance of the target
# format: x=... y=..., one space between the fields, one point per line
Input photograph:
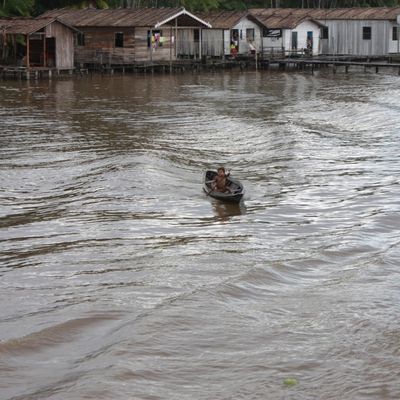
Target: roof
x=126 y=17
x=26 y=26
x=223 y=19
x=289 y=16
x=282 y=18
x=367 y=13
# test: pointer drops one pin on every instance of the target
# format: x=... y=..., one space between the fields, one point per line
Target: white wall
x=302 y=29
x=285 y=41
x=345 y=37
x=227 y=41
x=272 y=44
x=243 y=40
x=394 y=45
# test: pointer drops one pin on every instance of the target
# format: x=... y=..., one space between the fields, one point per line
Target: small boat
x=234 y=193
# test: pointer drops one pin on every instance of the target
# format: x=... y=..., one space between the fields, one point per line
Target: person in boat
x=220 y=182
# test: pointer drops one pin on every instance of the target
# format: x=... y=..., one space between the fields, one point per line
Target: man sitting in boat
x=220 y=183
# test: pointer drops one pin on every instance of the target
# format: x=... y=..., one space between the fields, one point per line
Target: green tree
x=43 y=5
x=13 y=8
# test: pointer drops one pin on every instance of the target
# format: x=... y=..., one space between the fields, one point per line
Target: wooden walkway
x=242 y=63
x=312 y=64
x=23 y=73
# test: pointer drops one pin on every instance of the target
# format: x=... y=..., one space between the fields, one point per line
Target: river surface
x=121 y=279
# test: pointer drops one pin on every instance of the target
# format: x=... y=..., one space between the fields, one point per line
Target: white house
x=289 y=30
x=371 y=31
x=232 y=32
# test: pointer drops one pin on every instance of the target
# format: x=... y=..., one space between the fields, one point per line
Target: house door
x=36 y=51
x=310 y=42
x=294 y=40
x=235 y=39
x=51 y=52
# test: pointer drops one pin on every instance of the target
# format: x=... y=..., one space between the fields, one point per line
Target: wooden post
x=170 y=49
x=151 y=45
x=27 y=52
x=200 y=42
x=176 y=38
x=44 y=50
x=14 y=40
x=223 y=44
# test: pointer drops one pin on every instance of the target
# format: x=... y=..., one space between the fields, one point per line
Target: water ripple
x=121 y=278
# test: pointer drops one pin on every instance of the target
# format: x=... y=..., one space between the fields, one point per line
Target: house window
x=250 y=34
x=272 y=33
x=395 y=33
x=155 y=37
x=80 y=39
x=119 y=39
x=325 y=32
x=366 y=33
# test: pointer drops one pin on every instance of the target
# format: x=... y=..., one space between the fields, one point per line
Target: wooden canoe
x=233 y=195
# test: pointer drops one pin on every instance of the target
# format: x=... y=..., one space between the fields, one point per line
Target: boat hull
x=236 y=189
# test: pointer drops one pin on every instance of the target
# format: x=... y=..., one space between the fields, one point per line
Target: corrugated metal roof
x=125 y=17
x=281 y=18
x=223 y=19
x=368 y=13
x=290 y=16
x=25 y=26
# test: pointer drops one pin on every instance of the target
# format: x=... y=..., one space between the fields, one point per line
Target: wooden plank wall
x=64 y=44
x=212 y=42
x=160 y=52
x=100 y=46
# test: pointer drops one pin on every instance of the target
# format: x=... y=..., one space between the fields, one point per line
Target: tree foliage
x=36 y=7
x=11 y=8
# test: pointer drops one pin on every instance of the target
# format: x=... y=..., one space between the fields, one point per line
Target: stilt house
x=232 y=32
x=370 y=31
x=41 y=42
x=290 y=31
x=127 y=36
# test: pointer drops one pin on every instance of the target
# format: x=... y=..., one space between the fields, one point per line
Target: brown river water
x=121 y=279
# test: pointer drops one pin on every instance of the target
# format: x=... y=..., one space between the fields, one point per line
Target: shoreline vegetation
x=17 y=8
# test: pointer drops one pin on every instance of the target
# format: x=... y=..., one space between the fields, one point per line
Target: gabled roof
x=228 y=19
x=282 y=18
x=367 y=13
x=290 y=17
x=223 y=19
x=26 y=26
x=127 y=17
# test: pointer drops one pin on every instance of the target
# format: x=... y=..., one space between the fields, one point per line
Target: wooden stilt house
x=232 y=33
x=42 y=42
x=367 y=31
x=357 y=32
x=128 y=36
x=290 y=31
